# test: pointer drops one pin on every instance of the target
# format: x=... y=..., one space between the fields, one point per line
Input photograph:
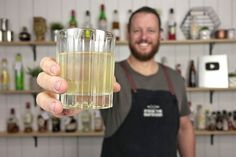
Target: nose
x=144 y=35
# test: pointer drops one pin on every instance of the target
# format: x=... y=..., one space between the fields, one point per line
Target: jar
x=231 y=33
x=24 y=35
x=221 y=34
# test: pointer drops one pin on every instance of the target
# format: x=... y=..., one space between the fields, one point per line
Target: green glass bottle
x=19 y=73
x=73 y=22
x=102 y=21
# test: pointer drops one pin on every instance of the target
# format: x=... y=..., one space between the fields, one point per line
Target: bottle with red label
x=171 y=25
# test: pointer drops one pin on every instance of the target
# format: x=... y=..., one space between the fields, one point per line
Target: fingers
x=49 y=103
x=54 y=84
x=50 y=66
x=116 y=86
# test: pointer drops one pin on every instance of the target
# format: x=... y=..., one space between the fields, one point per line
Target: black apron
x=150 y=129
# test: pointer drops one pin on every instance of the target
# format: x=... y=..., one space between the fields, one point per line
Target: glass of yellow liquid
x=86 y=58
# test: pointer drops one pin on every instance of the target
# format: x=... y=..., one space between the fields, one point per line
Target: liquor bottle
x=171 y=25
x=71 y=124
x=194 y=28
x=116 y=25
x=102 y=21
x=28 y=118
x=86 y=121
x=201 y=118
x=42 y=120
x=12 y=122
x=127 y=24
x=4 y=76
x=230 y=121
x=178 y=68
x=192 y=114
x=219 y=121
x=56 y=124
x=24 y=35
x=98 y=123
x=87 y=21
x=19 y=73
x=225 y=120
x=73 y=22
x=192 y=75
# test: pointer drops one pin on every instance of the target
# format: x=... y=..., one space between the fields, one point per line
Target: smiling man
x=150 y=113
x=149 y=117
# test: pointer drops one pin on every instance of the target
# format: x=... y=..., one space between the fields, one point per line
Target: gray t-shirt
x=113 y=117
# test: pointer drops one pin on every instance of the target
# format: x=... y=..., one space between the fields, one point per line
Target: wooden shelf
x=188 y=89
x=96 y=134
x=18 y=92
x=165 y=42
x=52 y=134
x=206 y=133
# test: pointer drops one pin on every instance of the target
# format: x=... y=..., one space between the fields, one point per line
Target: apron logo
x=153 y=111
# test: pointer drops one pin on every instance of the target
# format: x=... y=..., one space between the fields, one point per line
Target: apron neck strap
x=169 y=82
x=129 y=77
x=133 y=85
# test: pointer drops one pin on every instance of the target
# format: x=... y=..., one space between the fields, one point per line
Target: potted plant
x=33 y=72
x=55 y=27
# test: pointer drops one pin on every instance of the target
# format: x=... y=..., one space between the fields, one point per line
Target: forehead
x=144 y=19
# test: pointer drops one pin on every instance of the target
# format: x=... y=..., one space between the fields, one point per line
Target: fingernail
x=57 y=85
x=53 y=69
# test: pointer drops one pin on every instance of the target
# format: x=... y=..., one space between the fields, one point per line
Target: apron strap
x=129 y=77
x=133 y=85
x=169 y=82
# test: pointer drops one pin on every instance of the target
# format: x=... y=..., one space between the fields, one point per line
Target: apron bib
x=150 y=129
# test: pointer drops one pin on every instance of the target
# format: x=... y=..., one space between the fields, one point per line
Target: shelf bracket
x=35 y=141
x=211 y=96
x=34 y=94
x=212 y=140
x=34 y=52
x=211 y=46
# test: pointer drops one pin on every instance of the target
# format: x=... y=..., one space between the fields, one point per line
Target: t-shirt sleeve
x=183 y=102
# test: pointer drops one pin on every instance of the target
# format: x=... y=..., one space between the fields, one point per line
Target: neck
x=145 y=68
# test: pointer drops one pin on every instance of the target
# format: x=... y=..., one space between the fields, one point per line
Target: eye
x=136 y=30
x=151 y=31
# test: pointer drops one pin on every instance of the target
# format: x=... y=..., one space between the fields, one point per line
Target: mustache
x=143 y=41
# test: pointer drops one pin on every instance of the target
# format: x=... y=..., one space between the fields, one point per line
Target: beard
x=144 y=57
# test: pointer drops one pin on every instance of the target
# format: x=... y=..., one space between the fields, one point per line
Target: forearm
x=186 y=138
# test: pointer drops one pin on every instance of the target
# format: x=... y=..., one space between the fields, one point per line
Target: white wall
x=21 y=12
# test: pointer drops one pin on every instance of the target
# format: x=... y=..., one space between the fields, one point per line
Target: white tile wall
x=21 y=12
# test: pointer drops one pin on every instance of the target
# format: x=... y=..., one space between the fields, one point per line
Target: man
x=150 y=112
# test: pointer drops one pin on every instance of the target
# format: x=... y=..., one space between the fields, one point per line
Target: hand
x=53 y=84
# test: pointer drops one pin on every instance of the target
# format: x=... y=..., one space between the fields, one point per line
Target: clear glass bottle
x=19 y=73
x=116 y=25
x=87 y=22
x=98 y=122
x=86 y=121
x=4 y=75
x=127 y=24
x=201 y=118
x=71 y=124
x=28 y=118
x=102 y=21
x=73 y=22
x=171 y=25
x=42 y=121
x=194 y=28
x=12 y=122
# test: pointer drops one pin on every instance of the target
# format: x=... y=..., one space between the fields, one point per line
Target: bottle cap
x=72 y=12
x=87 y=13
x=171 y=10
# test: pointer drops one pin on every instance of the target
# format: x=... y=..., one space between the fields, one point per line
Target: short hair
x=145 y=9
